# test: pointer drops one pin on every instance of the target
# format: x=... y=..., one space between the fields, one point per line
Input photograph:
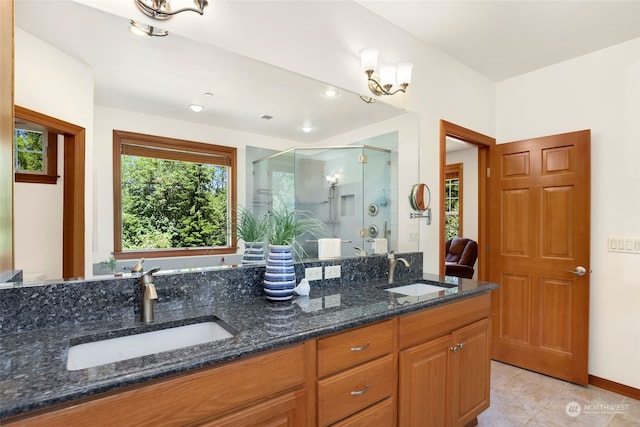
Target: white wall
x=601 y=92
x=52 y=83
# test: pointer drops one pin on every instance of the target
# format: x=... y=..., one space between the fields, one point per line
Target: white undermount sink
x=417 y=289
x=96 y=353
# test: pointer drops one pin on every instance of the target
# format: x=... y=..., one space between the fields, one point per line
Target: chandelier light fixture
x=162 y=9
x=387 y=77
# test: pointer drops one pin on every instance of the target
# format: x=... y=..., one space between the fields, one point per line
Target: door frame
x=73 y=204
x=484 y=144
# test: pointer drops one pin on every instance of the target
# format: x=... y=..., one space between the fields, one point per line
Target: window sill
x=36 y=178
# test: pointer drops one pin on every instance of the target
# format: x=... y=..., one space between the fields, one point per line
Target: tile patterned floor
x=523 y=398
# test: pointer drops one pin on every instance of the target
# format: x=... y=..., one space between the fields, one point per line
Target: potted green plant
x=285 y=226
x=252 y=230
x=109 y=264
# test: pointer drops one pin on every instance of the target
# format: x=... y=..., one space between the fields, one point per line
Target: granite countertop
x=33 y=372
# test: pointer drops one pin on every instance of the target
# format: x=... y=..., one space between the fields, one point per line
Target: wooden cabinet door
x=470 y=372
x=424 y=375
x=284 y=411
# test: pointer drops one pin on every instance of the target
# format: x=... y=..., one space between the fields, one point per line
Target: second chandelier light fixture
x=383 y=79
x=161 y=9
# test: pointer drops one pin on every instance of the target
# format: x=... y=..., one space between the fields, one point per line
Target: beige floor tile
x=515 y=408
x=493 y=417
x=500 y=372
x=633 y=408
x=524 y=398
x=532 y=387
x=592 y=394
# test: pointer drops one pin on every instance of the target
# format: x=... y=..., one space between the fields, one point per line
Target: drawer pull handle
x=363 y=347
x=360 y=392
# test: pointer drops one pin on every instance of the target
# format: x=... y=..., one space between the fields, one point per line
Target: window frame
x=454 y=171
x=188 y=151
x=50 y=147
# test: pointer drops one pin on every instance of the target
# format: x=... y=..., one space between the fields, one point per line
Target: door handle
x=579 y=271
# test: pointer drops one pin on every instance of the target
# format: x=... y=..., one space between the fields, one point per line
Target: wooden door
x=470 y=372
x=539 y=220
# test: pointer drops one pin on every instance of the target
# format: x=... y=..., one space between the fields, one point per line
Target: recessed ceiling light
x=306 y=129
x=331 y=92
x=196 y=108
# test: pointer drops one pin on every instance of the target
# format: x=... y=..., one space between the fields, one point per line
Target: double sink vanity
x=356 y=351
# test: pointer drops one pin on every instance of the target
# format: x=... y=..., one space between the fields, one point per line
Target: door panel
x=556 y=225
x=539 y=205
x=514 y=322
x=555 y=314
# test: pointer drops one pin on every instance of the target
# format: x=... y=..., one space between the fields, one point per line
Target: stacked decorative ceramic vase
x=253 y=253
x=279 y=277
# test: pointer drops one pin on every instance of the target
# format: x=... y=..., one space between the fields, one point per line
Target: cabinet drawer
x=438 y=321
x=348 y=392
x=351 y=348
x=380 y=414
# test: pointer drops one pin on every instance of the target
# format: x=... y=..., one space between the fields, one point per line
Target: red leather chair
x=460 y=258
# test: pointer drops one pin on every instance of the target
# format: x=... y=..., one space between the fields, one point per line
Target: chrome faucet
x=149 y=295
x=393 y=262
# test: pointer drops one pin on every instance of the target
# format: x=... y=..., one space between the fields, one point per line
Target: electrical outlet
x=332 y=272
x=313 y=273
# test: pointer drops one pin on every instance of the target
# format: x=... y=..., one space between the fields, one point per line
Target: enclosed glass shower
x=346 y=187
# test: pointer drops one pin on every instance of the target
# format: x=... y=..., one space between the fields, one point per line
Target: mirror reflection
x=255 y=107
x=461 y=208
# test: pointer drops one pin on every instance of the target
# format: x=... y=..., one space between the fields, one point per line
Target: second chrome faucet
x=393 y=262
x=149 y=295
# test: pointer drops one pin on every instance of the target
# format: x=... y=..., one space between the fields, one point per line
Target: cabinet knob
x=454 y=348
x=362 y=347
x=359 y=392
x=461 y=345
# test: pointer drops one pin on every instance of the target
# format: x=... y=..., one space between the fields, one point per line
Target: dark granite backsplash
x=39 y=306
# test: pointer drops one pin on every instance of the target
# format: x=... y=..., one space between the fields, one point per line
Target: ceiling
x=162 y=76
x=504 y=39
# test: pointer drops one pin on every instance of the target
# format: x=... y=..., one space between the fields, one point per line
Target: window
x=35 y=153
x=172 y=197
x=453 y=201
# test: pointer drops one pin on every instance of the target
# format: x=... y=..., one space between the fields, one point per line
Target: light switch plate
x=624 y=245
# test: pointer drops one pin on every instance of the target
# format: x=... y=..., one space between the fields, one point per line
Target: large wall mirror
x=86 y=68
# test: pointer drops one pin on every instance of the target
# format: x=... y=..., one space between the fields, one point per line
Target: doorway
x=483 y=144
x=73 y=190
